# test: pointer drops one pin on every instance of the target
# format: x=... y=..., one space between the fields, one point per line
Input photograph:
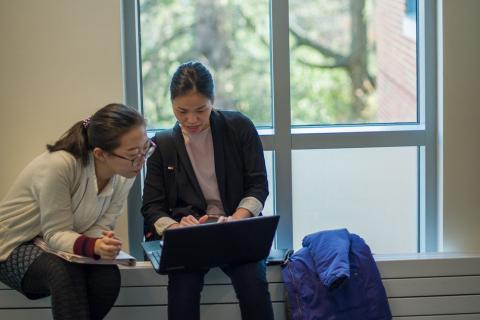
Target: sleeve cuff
x=162 y=224
x=85 y=246
x=252 y=204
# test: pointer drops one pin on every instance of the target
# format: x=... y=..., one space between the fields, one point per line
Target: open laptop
x=212 y=244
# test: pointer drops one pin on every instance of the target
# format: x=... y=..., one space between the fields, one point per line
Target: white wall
x=60 y=60
x=461 y=129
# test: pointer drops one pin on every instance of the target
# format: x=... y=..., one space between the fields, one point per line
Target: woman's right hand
x=108 y=246
x=189 y=221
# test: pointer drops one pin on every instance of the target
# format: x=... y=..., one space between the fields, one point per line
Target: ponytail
x=103 y=130
x=74 y=141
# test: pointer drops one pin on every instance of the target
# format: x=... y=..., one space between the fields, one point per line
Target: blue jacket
x=334 y=277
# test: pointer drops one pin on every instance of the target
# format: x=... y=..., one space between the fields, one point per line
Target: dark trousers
x=78 y=291
x=249 y=282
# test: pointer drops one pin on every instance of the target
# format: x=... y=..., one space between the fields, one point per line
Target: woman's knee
x=49 y=274
x=54 y=269
x=105 y=277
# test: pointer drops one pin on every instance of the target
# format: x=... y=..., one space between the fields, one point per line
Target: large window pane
x=353 y=61
x=370 y=191
x=231 y=37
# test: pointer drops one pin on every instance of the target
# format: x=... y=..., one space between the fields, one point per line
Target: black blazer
x=239 y=166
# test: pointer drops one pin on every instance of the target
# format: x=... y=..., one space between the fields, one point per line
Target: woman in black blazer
x=210 y=165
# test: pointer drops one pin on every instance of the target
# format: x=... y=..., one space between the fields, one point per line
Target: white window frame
x=284 y=138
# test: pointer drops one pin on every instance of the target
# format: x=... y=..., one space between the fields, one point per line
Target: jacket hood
x=330 y=253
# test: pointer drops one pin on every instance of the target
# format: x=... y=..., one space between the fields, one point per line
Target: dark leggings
x=78 y=291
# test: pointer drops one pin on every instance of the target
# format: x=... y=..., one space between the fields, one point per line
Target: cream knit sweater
x=55 y=197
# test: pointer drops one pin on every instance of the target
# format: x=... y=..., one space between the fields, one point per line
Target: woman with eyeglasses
x=71 y=195
x=210 y=164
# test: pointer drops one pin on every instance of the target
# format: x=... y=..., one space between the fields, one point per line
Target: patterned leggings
x=78 y=291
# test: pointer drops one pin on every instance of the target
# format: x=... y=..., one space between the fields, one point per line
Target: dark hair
x=103 y=130
x=194 y=76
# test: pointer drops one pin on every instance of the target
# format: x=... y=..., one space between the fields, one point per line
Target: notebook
x=122 y=258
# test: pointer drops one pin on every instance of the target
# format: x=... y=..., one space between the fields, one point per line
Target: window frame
x=283 y=138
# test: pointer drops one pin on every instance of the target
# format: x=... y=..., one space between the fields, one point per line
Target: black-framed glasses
x=139 y=160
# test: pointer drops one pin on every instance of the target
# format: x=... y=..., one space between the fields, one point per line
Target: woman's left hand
x=112 y=244
x=226 y=219
x=241 y=213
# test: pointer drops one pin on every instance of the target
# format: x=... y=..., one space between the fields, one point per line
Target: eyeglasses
x=139 y=160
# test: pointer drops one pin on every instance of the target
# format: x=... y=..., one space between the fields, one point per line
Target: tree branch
x=327 y=52
x=322 y=66
x=252 y=27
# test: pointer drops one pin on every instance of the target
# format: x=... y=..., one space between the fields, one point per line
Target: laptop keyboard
x=156 y=255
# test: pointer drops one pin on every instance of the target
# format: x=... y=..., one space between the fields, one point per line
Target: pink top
x=200 y=151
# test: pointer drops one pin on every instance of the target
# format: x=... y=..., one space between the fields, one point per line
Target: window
x=343 y=100
x=349 y=63
x=231 y=37
x=372 y=192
